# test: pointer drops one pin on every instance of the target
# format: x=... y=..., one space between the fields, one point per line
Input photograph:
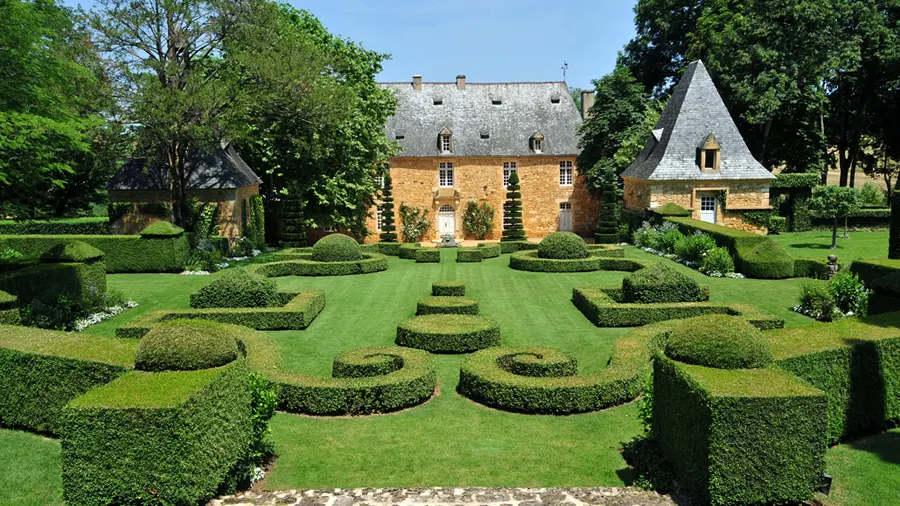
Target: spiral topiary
x=563 y=246
x=336 y=248
x=185 y=345
x=719 y=341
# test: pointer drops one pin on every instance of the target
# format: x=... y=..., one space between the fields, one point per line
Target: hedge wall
x=385 y=248
x=513 y=246
x=298 y=312
x=160 y=438
x=869 y=270
x=446 y=305
x=736 y=437
x=71 y=226
x=122 y=253
x=469 y=255
x=810 y=268
x=491 y=249
x=303 y=265
x=48 y=281
x=407 y=251
x=9 y=309
x=857 y=365
x=448 y=333
x=42 y=370
x=600 y=259
x=428 y=256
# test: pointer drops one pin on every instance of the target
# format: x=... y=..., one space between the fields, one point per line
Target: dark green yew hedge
x=70 y=226
x=529 y=261
x=469 y=255
x=718 y=341
x=156 y=438
x=448 y=288
x=869 y=270
x=811 y=268
x=298 y=312
x=42 y=370
x=490 y=249
x=407 y=251
x=514 y=246
x=48 y=281
x=385 y=248
x=738 y=437
x=448 y=333
x=303 y=265
x=185 y=345
x=428 y=256
x=446 y=305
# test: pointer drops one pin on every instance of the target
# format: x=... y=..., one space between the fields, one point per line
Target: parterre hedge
x=48 y=281
x=42 y=370
x=446 y=305
x=448 y=288
x=530 y=261
x=514 y=246
x=70 y=226
x=737 y=437
x=9 y=309
x=303 y=265
x=385 y=248
x=869 y=270
x=297 y=313
x=469 y=255
x=448 y=333
x=810 y=268
x=606 y=250
x=238 y=288
x=491 y=249
x=428 y=256
x=407 y=251
x=156 y=438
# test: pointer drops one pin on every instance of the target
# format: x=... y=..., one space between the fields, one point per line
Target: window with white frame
x=565 y=173
x=445 y=175
x=378 y=220
x=379 y=180
x=446 y=143
x=509 y=168
x=538 y=145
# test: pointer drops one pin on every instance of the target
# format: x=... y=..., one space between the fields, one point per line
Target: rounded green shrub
x=660 y=284
x=719 y=341
x=161 y=229
x=185 y=345
x=72 y=251
x=448 y=333
x=336 y=248
x=563 y=246
x=448 y=288
x=238 y=288
x=717 y=260
x=447 y=305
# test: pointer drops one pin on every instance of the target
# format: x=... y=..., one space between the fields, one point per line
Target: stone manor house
x=460 y=141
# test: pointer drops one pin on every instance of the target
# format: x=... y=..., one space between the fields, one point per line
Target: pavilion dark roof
x=222 y=169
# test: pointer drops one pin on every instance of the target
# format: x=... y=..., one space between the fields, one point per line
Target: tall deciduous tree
x=388 y=229
x=512 y=211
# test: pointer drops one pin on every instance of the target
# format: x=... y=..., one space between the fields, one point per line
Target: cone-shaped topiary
x=162 y=229
x=563 y=246
x=293 y=233
x=238 y=288
x=719 y=341
x=185 y=345
x=336 y=248
x=72 y=251
x=388 y=229
x=512 y=212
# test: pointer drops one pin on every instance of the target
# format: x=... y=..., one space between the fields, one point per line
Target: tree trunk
x=834 y=228
x=176 y=159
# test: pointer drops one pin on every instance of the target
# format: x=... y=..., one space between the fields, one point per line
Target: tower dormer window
x=537 y=142
x=709 y=154
x=445 y=141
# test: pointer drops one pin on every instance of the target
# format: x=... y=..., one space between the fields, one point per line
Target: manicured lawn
x=450 y=440
x=866 y=472
x=818 y=245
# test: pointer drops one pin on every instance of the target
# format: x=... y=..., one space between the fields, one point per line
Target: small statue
x=447 y=241
x=833 y=266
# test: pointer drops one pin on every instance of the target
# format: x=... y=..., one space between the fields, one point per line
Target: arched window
x=446 y=208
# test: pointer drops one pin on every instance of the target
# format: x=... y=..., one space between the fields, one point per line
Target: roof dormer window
x=496 y=101
x=537 y=142
x=438 y=101
x=445 y=141
x=709 y=154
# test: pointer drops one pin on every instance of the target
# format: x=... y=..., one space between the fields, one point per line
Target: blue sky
x=487 y=40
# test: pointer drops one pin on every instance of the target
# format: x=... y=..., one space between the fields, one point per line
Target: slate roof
x=223 y=169
x=695 y=111
x=525 y=109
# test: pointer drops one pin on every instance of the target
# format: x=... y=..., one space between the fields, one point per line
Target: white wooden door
x=565 y=217
x=708 y=209
x=446 y=221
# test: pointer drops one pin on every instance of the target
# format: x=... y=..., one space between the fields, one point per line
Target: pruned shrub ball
x=185 y=345
x=238 y=288
x=336 y=248
x=660 y=284
x=719 y=341
x=563 y=246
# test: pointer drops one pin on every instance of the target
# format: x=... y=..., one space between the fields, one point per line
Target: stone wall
x=741 y=195
x=415 y=182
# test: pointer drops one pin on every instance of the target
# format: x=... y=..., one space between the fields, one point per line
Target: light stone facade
x=415 y=182
x=747 y=195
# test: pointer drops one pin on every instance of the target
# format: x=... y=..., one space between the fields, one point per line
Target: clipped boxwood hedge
x=660 y=284
x=718 y=341
x=514 y=246
x=447 y=305
x=869 y=270
x=238 y=288
x=72 y=251
x=303 y=265
x=42 y=370
x=606 y=250
x=156 y=438
x=385 y=248
x=811 y=268
x=297 y=313
x=69 y=226
x=530 y=261
x=9 y=309
x=490 y=249
x=428 y=256
x=736 y=437
x=448 y=333
x=336 y=248
x=185 y=345
x=50 y=280
x=767 y=260
x=448 y=288
x=407 y=251
x=563 y=246
x=468 y=255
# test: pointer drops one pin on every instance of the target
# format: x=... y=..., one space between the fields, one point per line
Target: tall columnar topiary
x=512 y=211
x=294 y=233
x=388 y=229
x=894 y=243
x=607 y=229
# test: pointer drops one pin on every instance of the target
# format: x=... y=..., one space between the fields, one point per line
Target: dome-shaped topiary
x=719 y=341
x=72 y=251
x=657 y=284
x=185 y=345
x=238 y=288
x=161 y=229
x=336 y=248
x=563 y=246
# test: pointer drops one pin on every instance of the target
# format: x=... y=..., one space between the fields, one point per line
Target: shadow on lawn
x=886 y=445
x=812 y=246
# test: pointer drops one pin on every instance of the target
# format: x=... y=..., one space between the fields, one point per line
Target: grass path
x=818 y=245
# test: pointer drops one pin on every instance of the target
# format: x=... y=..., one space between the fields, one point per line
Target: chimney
x=587 y=101
x=417 y=82
x=461 y=82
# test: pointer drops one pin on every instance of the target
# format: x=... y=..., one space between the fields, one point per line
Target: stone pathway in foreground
x=450 y=496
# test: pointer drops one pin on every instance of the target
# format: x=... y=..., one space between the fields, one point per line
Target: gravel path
x=602 y=496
